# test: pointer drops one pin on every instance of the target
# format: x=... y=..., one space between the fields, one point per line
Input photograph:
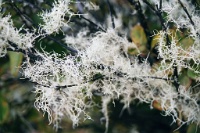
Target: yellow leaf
x=193 y=128
x=157 y=105
x=138 y=36
x=155 y=41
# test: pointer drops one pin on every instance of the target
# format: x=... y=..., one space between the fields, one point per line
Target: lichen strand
x=55 y=18
x=122 y=78
x=10 y=34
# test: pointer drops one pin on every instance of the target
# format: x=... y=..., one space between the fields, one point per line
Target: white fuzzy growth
x=105 y=53
x=54 y=19
x=58 y=104
x=66 y=85
x=177 y=15
x=105 y=102
x=107 y=48
x=53 y=72
x=188 y=105
x=176 y=54
x=9 y=33
x=80 y=41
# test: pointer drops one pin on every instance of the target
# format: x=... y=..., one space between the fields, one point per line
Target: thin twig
x=14 y=6
x=152 y=77
x=65 y=86
x=150 y=5
x=111 y=14
x=175 y=77
x=98 y=27
x=158 y=11
x=30 y=52
x=186 y=11
x=143 y=20
x=160 y=7
x=188 y=15
x=93 y=80
x=24 y=18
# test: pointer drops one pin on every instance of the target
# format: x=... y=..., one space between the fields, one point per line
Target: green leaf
x=133 y=51
x=184 y=79
x=15 y=62
x=34 y=116
x=193 y=128
x=186 y=42
x=192 y=74
x=4 y=110
x=138 y=36
x=3 y=68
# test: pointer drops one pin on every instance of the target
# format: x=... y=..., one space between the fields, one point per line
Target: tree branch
x=98 y=27
x=188 y=15
x=158 y=11
x=186 y=11
x=25 y=18
x=111 y=14
x=142 y=20
x=160 y=6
